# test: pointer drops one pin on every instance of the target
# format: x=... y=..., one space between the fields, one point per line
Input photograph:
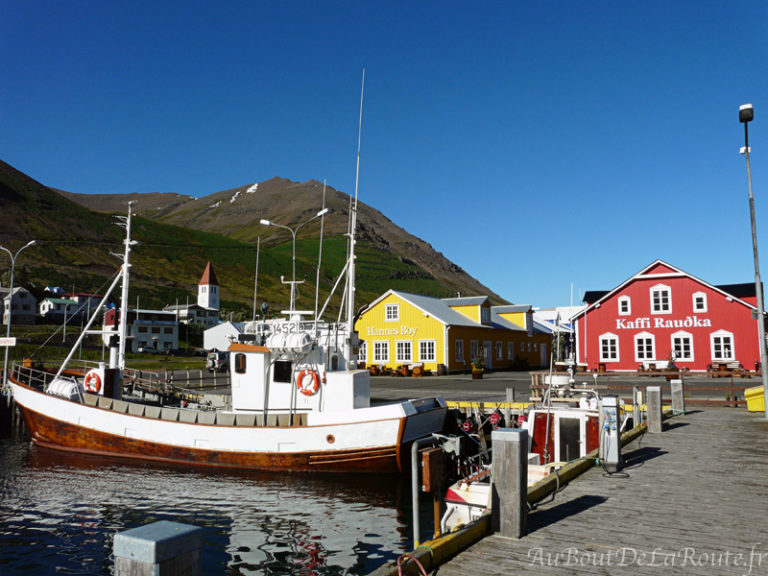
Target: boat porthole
x=330 y=439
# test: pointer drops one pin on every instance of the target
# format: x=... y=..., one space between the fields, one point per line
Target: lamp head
x=746 y=113
x=265 y=222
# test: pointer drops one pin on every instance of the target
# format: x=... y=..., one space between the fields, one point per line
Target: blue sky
x=538 y=145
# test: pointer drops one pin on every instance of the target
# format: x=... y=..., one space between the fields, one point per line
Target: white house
x=23 y=306
x=147 y=330
x=221 y=336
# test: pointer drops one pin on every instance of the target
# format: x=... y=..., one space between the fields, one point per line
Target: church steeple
x=208 y=289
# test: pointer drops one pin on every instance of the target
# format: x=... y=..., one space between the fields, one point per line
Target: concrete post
x=653 y=405
x=159 y=549
x=678 y=395
x=509 y=499
x=508 y=409
x=635 y=405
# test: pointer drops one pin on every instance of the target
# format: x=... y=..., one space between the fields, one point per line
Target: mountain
x=237 y=213
x=179 y=234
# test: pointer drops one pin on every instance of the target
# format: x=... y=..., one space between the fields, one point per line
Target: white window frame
x=362 y=351
x=392 y=312
x=610 y=338
x=403 y=357
x=645 y=356
x=485 y=315
x=682 y=334
x=499 y=350
x=661 y=289
x=703 y=296
x=720 y=335
x=474 y=349
x=510 y=350
x=458 y=348
x=628 y=301
x=427 y=350
x=380 y=351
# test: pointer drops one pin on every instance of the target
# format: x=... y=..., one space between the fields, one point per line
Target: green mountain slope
x=178 y=235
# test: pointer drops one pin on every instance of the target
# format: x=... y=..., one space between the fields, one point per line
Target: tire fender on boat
x=92 y=382
x=308 y=388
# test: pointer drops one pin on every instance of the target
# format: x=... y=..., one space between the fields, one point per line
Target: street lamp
x=293 y=232
x=10 y=305
x=746 y=114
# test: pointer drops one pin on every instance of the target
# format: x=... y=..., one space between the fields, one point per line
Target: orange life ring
x=311 y=388
x=92 y=382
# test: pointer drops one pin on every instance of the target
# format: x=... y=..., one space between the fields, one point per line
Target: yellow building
x=447 y=335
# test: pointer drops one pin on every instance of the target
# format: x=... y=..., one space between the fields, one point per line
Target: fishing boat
x=299 y=402
x=564 y=426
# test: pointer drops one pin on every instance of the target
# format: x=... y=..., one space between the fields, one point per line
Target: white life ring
x=92 y=382
x=308 y=388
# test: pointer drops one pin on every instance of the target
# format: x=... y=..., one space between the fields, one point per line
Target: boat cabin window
x=282 y=371
x=240 y=363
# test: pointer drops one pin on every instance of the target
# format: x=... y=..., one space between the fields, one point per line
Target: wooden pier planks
x=695 y=503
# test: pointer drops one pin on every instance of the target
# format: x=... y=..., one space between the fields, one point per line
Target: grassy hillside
x=75 y=248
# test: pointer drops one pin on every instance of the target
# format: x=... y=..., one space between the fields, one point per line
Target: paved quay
x=692 y=502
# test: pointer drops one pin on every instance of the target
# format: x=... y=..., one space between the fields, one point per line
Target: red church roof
x=209 y=276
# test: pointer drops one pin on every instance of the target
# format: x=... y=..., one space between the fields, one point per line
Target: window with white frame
x=381 y=351
x=699 y=302
x=392 y=312
x=499 y=351
x=459 y=348
x=661 y=299
x=722 y=345
x=645 y=348
x=682 y=346
x=427 y=351
x=403 y=351
x=474 y=349
x=510 y=350
x=625 y=306
x=609 y=347
x=485 y=315
x=362 y=352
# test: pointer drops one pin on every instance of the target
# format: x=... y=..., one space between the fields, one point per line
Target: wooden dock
x=694 y=501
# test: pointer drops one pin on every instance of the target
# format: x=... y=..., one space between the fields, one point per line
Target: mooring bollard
x=678 y=395
x=162 y=548
x=653 y=410
x=509 y=499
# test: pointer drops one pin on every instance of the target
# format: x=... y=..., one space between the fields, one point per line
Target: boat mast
x=125 y=221
x=352 y=228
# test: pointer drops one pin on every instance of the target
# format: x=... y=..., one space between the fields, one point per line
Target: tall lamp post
x=746 y=114
x=293 y=232
x=10 y=304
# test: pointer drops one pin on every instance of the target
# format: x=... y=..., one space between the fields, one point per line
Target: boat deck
x=694 y=502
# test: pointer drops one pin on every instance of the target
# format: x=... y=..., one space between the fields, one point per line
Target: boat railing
x=31 y=374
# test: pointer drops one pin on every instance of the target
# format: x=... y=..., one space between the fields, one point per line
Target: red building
x=662 y=314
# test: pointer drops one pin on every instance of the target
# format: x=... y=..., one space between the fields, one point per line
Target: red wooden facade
x=662 y=314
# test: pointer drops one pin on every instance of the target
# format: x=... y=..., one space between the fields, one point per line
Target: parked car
x=217 y=361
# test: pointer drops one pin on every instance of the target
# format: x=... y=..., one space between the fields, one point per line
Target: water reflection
x=59 y=513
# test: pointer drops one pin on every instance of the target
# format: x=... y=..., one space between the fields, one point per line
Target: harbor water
x=59 y=513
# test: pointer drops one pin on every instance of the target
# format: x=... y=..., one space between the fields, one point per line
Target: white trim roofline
x=643 y=276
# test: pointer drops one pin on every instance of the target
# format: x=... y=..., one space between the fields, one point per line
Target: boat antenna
x=319 y=257
x=352 y=228
x=125 y=222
